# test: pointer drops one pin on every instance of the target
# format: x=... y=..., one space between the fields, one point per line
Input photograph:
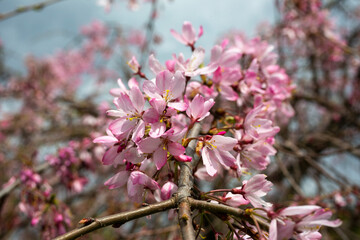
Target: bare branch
x=119 y=219
x=288 y=176
x=34 y=7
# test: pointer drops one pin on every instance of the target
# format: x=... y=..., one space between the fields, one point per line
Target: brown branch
x=306 y=156
x=34 y=7
x=119 y=219
x=225 y=209
x=216 y=208
x=332 y=106
x=186 y=182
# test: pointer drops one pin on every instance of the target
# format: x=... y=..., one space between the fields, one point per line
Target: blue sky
x=44 y=32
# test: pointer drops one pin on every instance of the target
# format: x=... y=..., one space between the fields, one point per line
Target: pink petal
x=121 y=127
x=209 y=160
x=188 y=32
x=137 y=99
x=151 y=89
x=201 y=31
x=225 y=158
x=183 y=158
x=106 y=140
x=195 y=108
x=139 y=131
x=110 y=155
x=163 y=80
x=151 y=115
x=158 y=104
x=118 y=180
x=180 y=106
x=154 y=65
x=149 y=145
x=168 y=189
x=133 y=156
x=178 y=37
x=299 y=210
x=228 y=93
x=175 y=148
x=223 y=143
x=123 y=102
x=160 y=157
x=236 y=200
x=157 y=129
x=177 y=85
x=133 y=83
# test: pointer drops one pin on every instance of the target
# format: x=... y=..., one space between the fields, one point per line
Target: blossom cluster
x=70 y=162
x=237 y=98
x=39 y=203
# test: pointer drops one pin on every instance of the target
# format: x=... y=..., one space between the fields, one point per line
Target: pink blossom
x=160 y=147
x=118 y=180
x=130 y=110
x=318 y=218
x=167 y=87
x=134 y=65
x=285 y=223
x=199 y=108
x=168 y=189
x=30 y=178
x=188 y=36
x=257 y=126
x=253 y=154
x=136 y=184
x=225 y=58
x=190 y=68
x=114 y=154
x=155 y=66
x=116 y=92
x=281 y=229
x=216 y=153
x=224 y=79
x=252 y=191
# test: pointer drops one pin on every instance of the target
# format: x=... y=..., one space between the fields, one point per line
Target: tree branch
x=34 y=7
x=119 y=219
x=186 y=181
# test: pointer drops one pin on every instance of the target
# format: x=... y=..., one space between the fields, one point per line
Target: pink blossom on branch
x=199 y=108
x=251 y=192
x=215 y=153
x=188 y=36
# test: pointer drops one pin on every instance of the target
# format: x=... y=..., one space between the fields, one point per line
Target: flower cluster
x=154 y=118
x=40 y=205
x=237 y=98
x=70 y=162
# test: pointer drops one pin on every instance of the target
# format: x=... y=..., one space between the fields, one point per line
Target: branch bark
x=119 y=219
x=186 y=182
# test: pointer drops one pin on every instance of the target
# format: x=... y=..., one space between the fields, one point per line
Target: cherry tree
x=217 y=143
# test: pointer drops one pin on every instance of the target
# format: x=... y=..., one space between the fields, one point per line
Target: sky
x=44 y=32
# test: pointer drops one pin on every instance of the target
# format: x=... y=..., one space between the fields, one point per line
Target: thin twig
x=34 y=7
x=288 y=176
